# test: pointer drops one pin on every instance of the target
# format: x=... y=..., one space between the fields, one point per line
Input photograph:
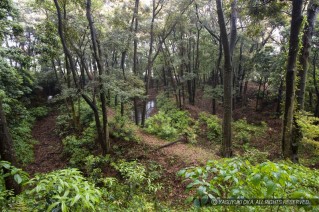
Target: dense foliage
x=92 y=67
x=238 y=179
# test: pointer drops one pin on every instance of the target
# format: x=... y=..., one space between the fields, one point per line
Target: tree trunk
x=149 y=63
x=227 y=118
x=135 y=57
x=288 y=143
x=233 y=25
x=304 y=55
x=316 y=112
x=105 y=143
x=279 y=98
x=73 y=69
x=6 y=150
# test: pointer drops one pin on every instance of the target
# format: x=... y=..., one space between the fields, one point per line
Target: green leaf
x=298 y=194
x=189 y=199
x=190 y=185
x=271 y=187
x=201 y=190
x=197 y=203
x=6 y=165
x=204 y=200
x=189 y=174
x=211 y=196
x=227 y=178
x=181 y=172
x=17 y=178
x=256 y=179
x=76 y=198
x=199 y=171
x=52 y=206
x=216 y=191
x=64 y=207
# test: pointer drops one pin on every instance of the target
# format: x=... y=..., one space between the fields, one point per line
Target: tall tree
x=312 y=12
x=288 y=143
x=135 y=71
x=70 y=61
x=97 y=56
x=157 y=6
x=227 y=114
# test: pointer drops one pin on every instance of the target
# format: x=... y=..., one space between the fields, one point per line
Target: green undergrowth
x=136 y=185
x=244 y=132
x=71 y=190
x=78 y=147
x=309 y=147
x=39 y=112
x=121 y=127
x=170 y=123
x=6 y=171
x=238 y=179
x=209 y=126
x=21 y=132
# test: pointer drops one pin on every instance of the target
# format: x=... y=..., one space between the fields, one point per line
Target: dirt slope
x=49 y=148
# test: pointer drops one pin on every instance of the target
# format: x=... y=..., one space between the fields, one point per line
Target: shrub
x=210 y=126
x=23 y=141
x=160 y=125
x=94 y=165
x=255 y=156
x=77 y=149
x=71 y=144
x=244 y=131
x=122 y=128
x=63 y=125
x=86 y=114
x=19 y=177
x=115 y=194
x=238 y=179
x=169 y=125
x=136 y=176
x=165 y=104
x=39 y=112
x=63 y=190
x=309 y=126
x=310 y=141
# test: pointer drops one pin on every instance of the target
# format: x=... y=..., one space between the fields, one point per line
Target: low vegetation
x=159 y=105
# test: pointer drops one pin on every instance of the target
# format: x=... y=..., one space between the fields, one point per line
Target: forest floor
x=48 y=150
x=153 y=150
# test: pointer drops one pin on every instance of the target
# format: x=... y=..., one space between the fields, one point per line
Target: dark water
x=150 y=106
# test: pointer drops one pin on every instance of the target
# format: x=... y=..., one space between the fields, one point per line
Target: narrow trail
x=48 y=150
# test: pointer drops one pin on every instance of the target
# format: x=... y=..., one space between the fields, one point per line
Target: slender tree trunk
x=135 y=57
x=279 y=98
x=258 y=94
x=241 y=72
x=227 y=119
x=215 y=75
x=233 y=32
x=316 y=112
x=73 y=69
x=245 y=93
x=304 y=55
x=106 y=145
x=288 y=143
x=149 y=63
